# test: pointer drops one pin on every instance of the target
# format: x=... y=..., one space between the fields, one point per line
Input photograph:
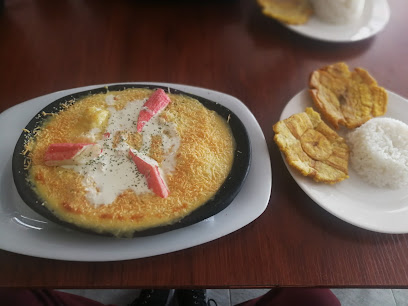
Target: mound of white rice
x=338 y=11
x=379 y=152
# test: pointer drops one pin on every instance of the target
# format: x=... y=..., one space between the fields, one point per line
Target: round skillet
x=224 y=196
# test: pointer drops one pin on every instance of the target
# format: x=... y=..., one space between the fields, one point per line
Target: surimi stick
x=156 y=102
x=59 y=154
x=150 y=169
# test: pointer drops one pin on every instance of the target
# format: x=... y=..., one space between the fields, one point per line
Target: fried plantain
x=347 y=98
x=312 y=147
x=287 y=11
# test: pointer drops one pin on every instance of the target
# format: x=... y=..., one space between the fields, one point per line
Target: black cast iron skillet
x=220 y=201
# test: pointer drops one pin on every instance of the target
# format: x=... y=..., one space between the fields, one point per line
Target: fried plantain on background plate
x=287 y=11
x=312 y=147
x=347 y=98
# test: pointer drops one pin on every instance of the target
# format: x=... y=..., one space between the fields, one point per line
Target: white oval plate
x=353 y=200
x=24 y=231
x=375 y=17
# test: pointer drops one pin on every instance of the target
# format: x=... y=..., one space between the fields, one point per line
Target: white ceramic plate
x=25 y=232
x=353 y=200
x=375 y=16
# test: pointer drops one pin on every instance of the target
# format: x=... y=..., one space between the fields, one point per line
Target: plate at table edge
x=375 y=17
x=353 y=200
x=52 y=241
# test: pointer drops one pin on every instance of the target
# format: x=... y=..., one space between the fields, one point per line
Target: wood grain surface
x=228 y=46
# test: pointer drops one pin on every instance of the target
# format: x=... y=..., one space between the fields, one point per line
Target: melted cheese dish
x=192 y=146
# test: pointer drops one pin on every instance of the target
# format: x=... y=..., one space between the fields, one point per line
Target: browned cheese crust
x=347 y=98
x=312 y=147
x=204 y=160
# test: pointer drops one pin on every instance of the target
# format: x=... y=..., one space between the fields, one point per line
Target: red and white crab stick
x=59 y=154
x=149 y=168
x=156 y=102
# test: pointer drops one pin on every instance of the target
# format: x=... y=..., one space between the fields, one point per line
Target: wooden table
x=229 y=46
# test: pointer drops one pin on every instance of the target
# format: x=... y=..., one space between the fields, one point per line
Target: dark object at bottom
x=191 y=297
x=151 y=297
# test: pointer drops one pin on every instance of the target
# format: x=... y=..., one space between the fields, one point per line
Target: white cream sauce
x=113 y=171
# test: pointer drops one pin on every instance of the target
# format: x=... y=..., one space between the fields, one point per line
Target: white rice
x=379 y=152
x=338 y=11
